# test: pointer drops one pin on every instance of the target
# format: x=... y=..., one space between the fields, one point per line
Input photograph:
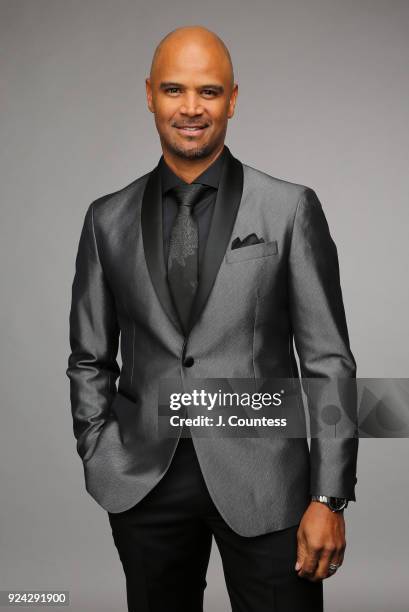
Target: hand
x=321 y=541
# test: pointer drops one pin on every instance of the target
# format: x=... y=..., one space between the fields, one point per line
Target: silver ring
x=333 y=567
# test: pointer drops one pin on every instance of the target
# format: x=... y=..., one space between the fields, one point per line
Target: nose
x=191 y=105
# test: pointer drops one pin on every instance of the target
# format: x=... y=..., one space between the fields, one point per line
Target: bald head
x=196 y=42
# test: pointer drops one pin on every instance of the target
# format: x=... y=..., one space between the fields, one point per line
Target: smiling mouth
x=191 y=129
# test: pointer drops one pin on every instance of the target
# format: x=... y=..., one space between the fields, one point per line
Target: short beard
x=199 y=152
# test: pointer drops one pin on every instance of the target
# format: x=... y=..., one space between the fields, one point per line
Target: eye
x=210 y=92
x=172 y=89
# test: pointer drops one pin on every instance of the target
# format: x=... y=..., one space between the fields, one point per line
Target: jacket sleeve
x=322 y=343
x=94 y=337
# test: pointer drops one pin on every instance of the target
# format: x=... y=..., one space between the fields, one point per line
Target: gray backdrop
x=323 y=101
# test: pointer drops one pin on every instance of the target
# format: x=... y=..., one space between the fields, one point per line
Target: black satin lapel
x=152 y=236
x=225 y=211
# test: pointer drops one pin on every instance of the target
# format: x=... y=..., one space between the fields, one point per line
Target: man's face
x=191 y=97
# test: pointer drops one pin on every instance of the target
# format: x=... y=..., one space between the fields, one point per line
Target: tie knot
x=189 y=194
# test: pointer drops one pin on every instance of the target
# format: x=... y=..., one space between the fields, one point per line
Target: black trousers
x=164 y=545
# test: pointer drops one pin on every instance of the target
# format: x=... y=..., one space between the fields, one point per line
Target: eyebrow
x=166 y=84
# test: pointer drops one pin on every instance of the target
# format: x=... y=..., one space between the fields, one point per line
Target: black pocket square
x=247 y=241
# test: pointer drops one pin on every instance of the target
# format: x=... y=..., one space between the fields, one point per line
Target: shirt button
x=188 y=362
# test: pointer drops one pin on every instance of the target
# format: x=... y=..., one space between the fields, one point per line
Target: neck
x=189 y=169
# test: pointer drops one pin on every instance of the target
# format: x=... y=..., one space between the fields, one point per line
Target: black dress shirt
x=203 y=209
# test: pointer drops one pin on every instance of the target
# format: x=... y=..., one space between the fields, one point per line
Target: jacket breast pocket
x=252 y=251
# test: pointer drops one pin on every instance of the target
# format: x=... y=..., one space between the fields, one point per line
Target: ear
x=232 y=101
x=149 y=97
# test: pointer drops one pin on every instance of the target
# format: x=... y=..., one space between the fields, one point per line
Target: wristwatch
x=335 y=504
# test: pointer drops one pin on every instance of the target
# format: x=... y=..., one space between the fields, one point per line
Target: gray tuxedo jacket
x=252 y=305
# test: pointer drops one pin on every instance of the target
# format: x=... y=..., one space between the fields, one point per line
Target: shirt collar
x=210 y=176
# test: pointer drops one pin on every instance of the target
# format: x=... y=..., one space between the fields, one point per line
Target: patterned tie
x=183 y=266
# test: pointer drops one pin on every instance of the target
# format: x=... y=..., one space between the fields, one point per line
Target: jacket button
x=188 y=362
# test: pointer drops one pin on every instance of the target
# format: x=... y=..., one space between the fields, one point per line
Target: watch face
x=337 y=503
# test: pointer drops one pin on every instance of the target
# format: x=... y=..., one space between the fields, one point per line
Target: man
x=208 y=268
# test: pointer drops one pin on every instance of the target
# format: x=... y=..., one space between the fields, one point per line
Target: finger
x=322 y=569
x=309 y=564
x=340 y=557
x=301 y=553
x=330 y=570
x=337 y=558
